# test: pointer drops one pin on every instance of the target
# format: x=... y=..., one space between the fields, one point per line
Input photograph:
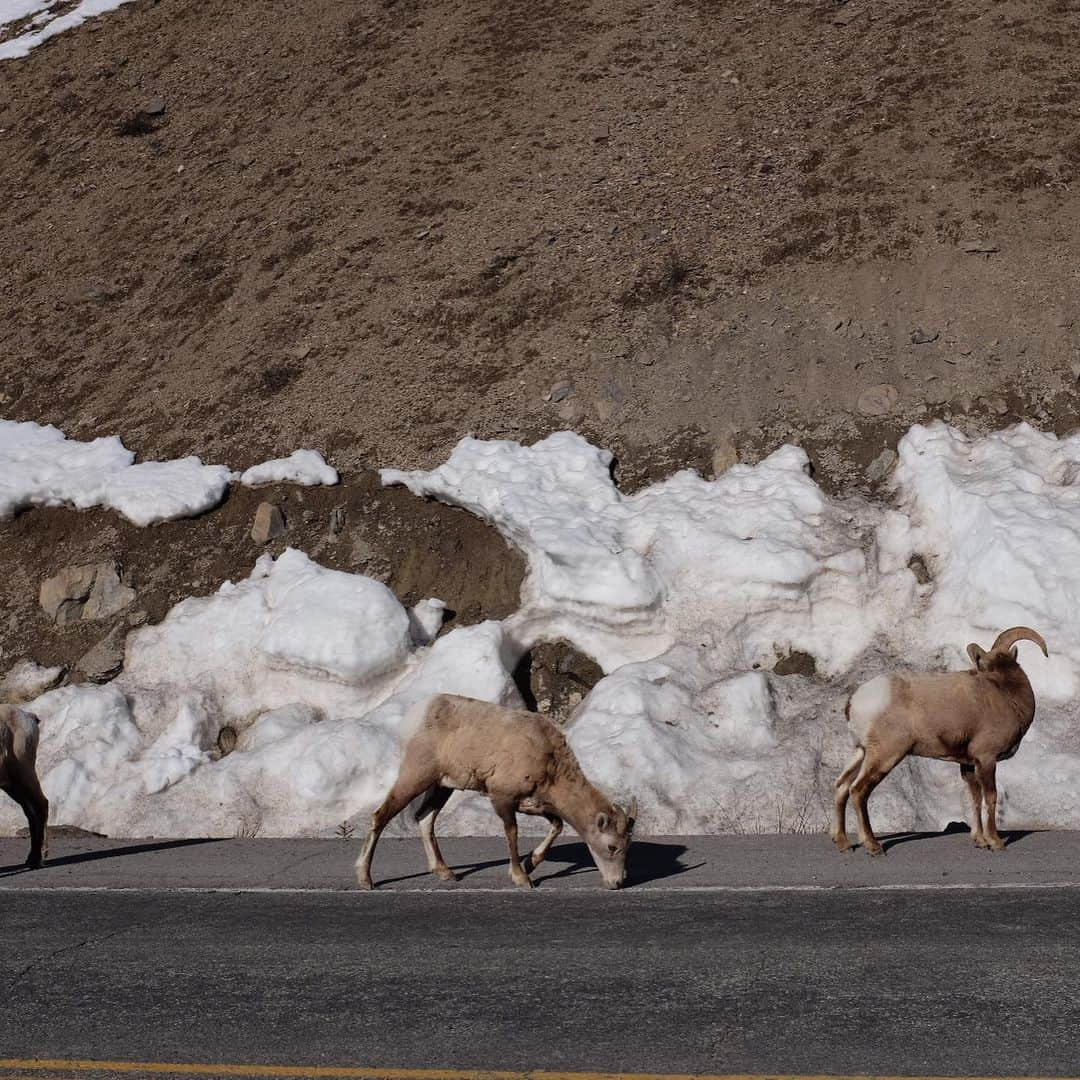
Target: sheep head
x=1003 y=652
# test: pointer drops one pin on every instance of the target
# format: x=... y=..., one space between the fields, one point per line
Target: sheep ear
x=602 y=821
x=976 y=654
x=1014 y=652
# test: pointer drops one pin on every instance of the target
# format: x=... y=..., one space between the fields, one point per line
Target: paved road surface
x=702 y=968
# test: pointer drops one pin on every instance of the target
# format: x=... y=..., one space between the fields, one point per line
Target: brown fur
x=975 y=718
x=522 y=762
x=18 y=776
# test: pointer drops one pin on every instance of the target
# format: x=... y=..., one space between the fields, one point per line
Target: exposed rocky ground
x=684 y=229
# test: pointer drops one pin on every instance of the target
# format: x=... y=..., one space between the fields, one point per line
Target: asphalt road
x=893 y=978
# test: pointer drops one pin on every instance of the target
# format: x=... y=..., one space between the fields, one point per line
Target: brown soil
x=375 y=228
x=418 y=548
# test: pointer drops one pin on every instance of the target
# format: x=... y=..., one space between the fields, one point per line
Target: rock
x=337 y=520
x=560 y=391
x=269 y=523
x=999 y=406
x=879 y=400
x=917 y=565
x=979 y=247
x=155 y=107
x=109 y=594
x=27 y=680
x=94 y=591
x=63 y=596
x=919 y=336
x=601 y=133
x=796 y=663
x=724 y=456
x=881 y=466
x=105 y=659
x=138 y=618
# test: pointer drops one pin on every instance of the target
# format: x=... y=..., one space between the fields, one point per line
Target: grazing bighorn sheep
x=18 y=776
x=976 y=718
x=522 y=762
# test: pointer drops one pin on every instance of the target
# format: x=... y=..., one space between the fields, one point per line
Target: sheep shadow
x=108 y=853
x=954 y=828
x=648 y=861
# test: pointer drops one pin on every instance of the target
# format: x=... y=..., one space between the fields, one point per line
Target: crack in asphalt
x=44 y=959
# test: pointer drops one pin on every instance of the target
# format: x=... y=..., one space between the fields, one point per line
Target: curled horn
x=1007 y=638
x=631 y=810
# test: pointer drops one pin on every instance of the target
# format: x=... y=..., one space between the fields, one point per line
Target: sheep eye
x=612 y=849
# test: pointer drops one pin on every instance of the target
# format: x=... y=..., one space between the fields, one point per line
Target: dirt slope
x=375 y=227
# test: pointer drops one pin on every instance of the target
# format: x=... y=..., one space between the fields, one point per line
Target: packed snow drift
x=279 y=705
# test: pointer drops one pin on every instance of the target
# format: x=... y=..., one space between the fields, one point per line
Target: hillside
x=376 y=227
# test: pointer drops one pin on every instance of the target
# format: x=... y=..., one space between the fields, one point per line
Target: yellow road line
x=303 y=1072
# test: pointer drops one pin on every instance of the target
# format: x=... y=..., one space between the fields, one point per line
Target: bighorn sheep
x=976 y=718
x=522 y=762
x=18 y=776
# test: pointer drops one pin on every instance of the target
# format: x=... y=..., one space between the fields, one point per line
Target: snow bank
x=45 y=24
x=752 y=565
x=687 y=593
x=306 y=467
x=314 y=671
x=40 y=466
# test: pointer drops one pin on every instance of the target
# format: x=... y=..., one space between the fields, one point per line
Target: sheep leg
x=507 y=810
x=986 y=773
x=871 y=773
x=976 y=792
x=403 y=792
x=428 y=811
x=841 y=790
x=539 y=853
x=35 y=806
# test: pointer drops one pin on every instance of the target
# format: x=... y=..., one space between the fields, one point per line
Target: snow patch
x=40 y=466
x=306 y=467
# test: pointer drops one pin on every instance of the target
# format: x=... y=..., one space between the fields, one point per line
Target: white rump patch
x=867 y=704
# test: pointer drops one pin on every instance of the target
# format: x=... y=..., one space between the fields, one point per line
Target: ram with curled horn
x=523 y=763
x=975 y=718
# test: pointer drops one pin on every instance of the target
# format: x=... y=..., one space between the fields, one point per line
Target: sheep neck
x=576 y=801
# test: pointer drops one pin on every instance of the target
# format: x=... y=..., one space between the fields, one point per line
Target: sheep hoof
x=522 y=879
x=34 y=864
x=995 y=843
x=365 y=883
x=444 y=873
x=842 y=843
x=982 y=842
x=874 y=849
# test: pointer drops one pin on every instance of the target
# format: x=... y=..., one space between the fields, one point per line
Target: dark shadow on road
x=1010 y=836
x=648 y=861
x=111 y=853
